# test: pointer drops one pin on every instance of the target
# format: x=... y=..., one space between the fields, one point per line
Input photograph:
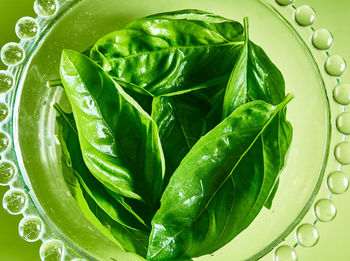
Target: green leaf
x=78 y=194
x=181 y=122
x=128 y=239
x=68 y=137
x=236 y=90
x=215 y=97
x=117 y=224
x=255 y=77
x=119 y=140
x=166 y=54
x=195 y=207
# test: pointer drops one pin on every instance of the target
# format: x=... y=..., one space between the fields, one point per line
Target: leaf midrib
x=174 y=48
x=63 y=114
x=186 y=20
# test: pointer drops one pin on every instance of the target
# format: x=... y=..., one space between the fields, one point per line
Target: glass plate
x=30 y=153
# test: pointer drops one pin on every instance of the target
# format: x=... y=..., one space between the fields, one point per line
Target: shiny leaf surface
x=119 y=140
x=255 y=77
x=193 y=218
x=165 y=54
x=98 y=206
x=181 y=122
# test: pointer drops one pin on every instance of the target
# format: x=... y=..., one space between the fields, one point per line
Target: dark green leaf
x=193 y=218
x=78 y=195
x=128 y=239
x=215 y=97
x=95 y=204
x=255 y=77
x=181 y=122
x=119 y=140
x=145 y=101
x=166 y=54
x=68 y=138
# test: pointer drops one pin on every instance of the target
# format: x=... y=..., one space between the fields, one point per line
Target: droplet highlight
x=305 y=15
x=285 y=2
x=14 y=201
x=30 y=228
x=322 y=39
x=341 y=94
x=6 y=81
x=4 y=111
x=285 y=253
x=342 y=153
x=12 y=54
x=4 y=142
x=337 y=182
x=325 y=210
x=307 y=235
x=343 y=123
x=335 y=65
x=45 y=8
x=52 y=250
x=27 y=28
x=7 y=172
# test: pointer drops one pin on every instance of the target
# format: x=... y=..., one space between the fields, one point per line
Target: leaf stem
x=286 y=100
x=54 y=83
x=246 y=29
x=64 y=115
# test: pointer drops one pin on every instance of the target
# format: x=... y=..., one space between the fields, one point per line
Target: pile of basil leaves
x=178 y=133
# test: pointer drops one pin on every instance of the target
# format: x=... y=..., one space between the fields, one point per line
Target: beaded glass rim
x=32 y=228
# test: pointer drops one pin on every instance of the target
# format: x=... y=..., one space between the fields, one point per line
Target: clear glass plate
x=285 y=34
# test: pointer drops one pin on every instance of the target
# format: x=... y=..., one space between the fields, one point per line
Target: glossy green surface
x=181 y=122
x=104 y=211
x=126 y=154
x=331 y=15
x=203 y=208
x=102 y=109
x=255 y=77
x=178 y=52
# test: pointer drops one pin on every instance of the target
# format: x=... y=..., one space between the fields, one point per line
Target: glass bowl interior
x=39 y=155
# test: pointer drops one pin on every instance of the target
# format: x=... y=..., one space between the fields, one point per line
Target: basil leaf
x=128 y=239
x=260 y=168
x=145 y=101
x=119 y=140
x=166 y=54
x=255 y=77
x=68 y=138
x=95 y=204
x=78 y=194
x=215 y=97
x=195 y=204
x=181 y=122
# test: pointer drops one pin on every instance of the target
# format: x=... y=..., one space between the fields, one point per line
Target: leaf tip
x=68 y=54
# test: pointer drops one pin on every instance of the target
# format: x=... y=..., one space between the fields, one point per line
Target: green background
x=335 y=237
